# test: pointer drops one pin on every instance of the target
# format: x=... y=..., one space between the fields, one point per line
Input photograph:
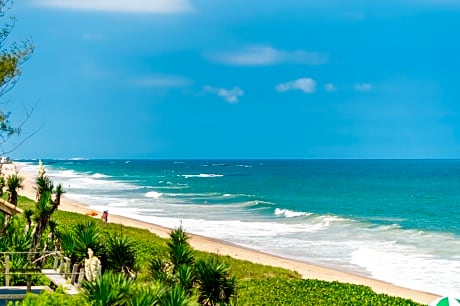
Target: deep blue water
x=388 y=219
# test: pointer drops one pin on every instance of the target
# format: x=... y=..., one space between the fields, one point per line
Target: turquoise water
x=395 y=220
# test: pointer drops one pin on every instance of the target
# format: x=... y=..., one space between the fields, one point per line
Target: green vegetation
x=139 y=268
x=11 y=57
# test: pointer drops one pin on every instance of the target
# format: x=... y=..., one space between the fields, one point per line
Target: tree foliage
x=12 y=56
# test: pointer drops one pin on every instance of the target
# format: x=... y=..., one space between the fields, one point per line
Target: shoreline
x=211 y=245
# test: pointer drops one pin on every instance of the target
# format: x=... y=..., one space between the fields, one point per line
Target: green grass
x=257 y=284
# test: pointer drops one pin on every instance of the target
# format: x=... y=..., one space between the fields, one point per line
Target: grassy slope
x=257 y=284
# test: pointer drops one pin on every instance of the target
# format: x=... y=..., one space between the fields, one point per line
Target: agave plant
x=13 y=184
x=43 y=185
x=121 y=254
x=161 y=271
x=177 y=296
x=45 y=206
x=28 y=213
x=178 y=236
x=43 y=211
x=109 y=289
x=186 y=277
x=180 y=252
x=58 y=192
x=83 y=236
x=216 y=285
x=147 y=296
x=179 y=255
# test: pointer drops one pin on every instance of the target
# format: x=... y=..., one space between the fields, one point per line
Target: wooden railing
x=59 y=275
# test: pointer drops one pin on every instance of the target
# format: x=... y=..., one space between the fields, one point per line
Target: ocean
x=392 y=220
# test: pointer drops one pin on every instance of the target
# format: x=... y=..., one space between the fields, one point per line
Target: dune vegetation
x=131 y=266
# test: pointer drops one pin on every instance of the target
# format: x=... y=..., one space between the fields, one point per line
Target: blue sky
x=240 y=79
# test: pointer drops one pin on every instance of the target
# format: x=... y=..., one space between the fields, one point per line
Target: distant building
x=5 y=160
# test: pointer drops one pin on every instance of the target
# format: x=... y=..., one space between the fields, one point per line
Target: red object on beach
x=92 y=213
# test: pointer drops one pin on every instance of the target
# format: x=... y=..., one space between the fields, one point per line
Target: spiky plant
x=13 y=184
x=76 y=241
x=180 y=252
x=2 y=184
x=43 y=185
x=161 y=271
x=43 y=212
x=216 y=285
x=28 y=213
x=147 y=296
x=186 y=278
x=45 y=206
x=121 y=254
x=58 y=192
x=177 y=296
x=109 y=289
x=178 y=236
x=15 y=240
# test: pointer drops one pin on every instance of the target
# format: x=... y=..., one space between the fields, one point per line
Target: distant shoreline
x=224 y=248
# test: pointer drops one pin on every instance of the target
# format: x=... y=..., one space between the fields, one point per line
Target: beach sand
x=201 y=243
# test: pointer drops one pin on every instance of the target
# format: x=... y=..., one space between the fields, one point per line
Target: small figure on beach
x=105 y=216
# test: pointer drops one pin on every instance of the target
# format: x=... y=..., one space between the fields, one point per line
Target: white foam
x=290 y=213
x=410 y=269
x=99 y=175
x=202 y=175
x=426 y=261
x=153 y=194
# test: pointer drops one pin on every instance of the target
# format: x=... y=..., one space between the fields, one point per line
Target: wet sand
x=224 y=248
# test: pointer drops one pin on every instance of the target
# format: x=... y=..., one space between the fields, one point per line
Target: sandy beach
x=223 y=248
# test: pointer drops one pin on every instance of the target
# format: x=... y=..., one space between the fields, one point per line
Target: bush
x=290 y=292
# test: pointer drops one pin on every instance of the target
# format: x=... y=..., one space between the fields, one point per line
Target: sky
x=238 y=79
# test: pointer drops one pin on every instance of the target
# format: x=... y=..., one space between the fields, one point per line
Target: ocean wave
x=153 y=194
x=204 y=175
x=256 y=203
x=78 y=158
x=402 y=266
x=244 y=166
x=290 y=213
x=99 y=175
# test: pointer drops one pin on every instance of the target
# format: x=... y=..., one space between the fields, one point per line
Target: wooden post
x=66 y=267
x=7 y=270
x=29 y=282
x=80 y=277
x=61 y=266
x=74 y=274
x=56 y=262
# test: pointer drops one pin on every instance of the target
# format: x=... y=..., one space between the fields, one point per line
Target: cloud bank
x=121 y=6
x=229 y=95
x=266 y=56
x=307 y=85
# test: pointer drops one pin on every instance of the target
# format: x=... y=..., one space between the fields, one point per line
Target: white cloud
x=363 y=87
x=163 y=81
x=307 y=85
x=229 y=95
x=266 y=56
x=121 y=6
x=330 y=87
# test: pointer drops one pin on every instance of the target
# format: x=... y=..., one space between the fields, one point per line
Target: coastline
x=224 y=248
